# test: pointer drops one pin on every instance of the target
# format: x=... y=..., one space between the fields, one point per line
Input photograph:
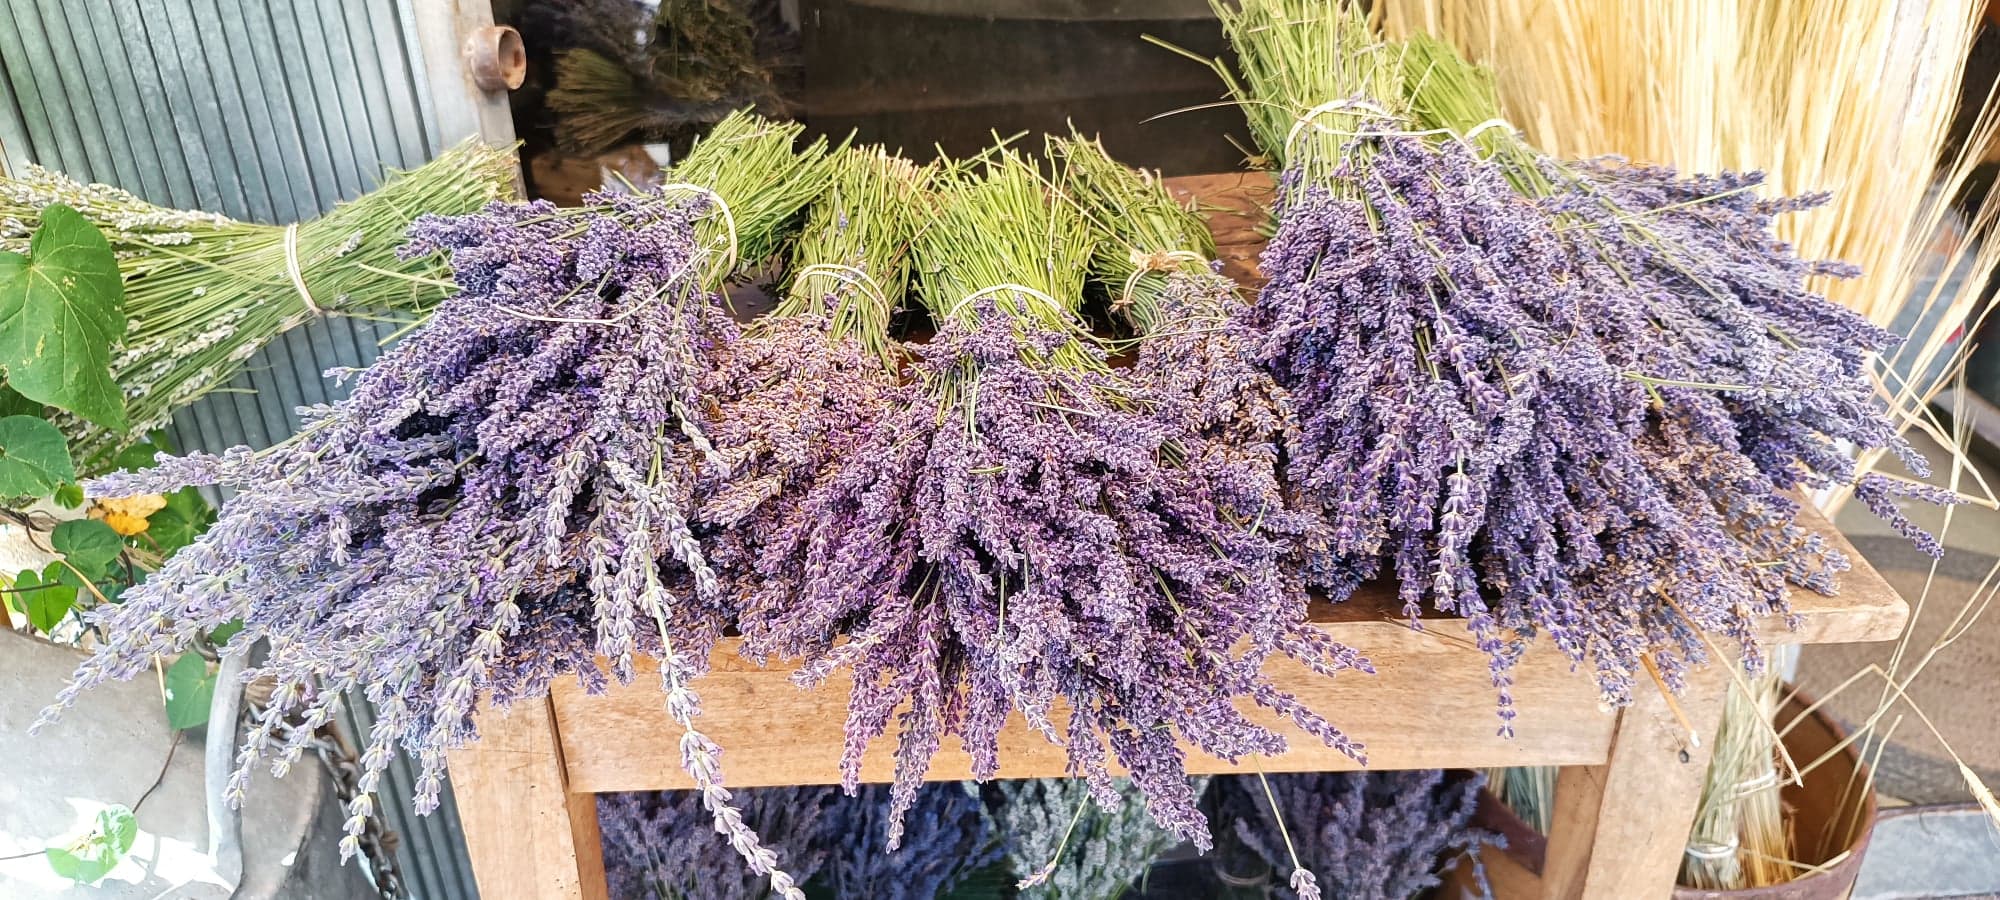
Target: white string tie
x=728 y=218
x=847 y=276
x=1143 y=263
x=1306 y=120
x=292 y=269
x=1712 y=850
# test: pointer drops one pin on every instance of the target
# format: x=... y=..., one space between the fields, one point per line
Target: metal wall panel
x=264 y=110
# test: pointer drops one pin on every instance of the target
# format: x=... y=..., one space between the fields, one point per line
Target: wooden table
x=1625 y=797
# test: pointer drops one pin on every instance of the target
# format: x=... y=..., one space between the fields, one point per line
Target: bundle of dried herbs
x=666 y=73
x=503 y=499
x=204 y=292
x=1026 y=531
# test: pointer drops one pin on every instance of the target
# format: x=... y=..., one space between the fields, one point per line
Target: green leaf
x=220 y=634
x=69 y=496
x=187 y=515
x=33 y=458
x=61 y=308
x=140 y=455
x=44 y=597
x=190 y=687
x=79 y=868
x=87 y=544
x=96 y=853
x=121 y=824
x=135 y=457
x=13 y=404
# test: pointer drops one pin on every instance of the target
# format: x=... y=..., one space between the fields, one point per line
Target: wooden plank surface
x=529 y=833
x=1432 y=706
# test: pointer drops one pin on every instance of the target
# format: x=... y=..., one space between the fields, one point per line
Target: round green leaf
x=61 y=308
x=190 y=690
x=87 y=544
x=93 y=855
x=44 y=597
x=33 y=457
x=187 y=515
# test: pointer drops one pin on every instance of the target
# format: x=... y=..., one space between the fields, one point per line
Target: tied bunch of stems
x=1028 y=531
x=204 y=292
x=851 y=264
x=760 y=179
x=1739 y=839
x=1562 y=402
x=502 y=500
x=1148 y=241
x=1155 y=260
x=1707 y=306
x=623 y=70
x=807 y=383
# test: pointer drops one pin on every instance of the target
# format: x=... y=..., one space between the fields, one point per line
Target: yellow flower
x=127 y=515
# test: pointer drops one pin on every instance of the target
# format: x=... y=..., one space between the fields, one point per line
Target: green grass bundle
x=747 y=164
x=851 y=264
x=686 y=66
x=204 y=292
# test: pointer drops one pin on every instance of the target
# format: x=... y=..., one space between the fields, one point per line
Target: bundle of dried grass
x=660 y=75
x=1739 y=838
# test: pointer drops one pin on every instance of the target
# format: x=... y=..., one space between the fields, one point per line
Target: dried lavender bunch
x=1514 y=435
x=1155 y=257
x=1759 y=385
x=1369 y=835
x=1691 y=288
x=1445 y=408
x=662 y=845
x=1067 y=845
x=1022 y=530
x=806 y=382
x=945 y=837
x=508 y=476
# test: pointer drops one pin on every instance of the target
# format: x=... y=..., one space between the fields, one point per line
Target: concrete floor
x=108 y=750
x=1932 y=851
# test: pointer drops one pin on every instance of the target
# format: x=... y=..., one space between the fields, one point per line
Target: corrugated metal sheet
x=267 y=110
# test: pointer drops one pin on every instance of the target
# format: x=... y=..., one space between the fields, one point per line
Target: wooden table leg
x=528 y=836
x=1619 y=829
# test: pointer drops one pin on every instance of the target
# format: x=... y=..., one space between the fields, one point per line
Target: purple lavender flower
x=946 y=836
x=1030 y=539
x=1363 y=835
x=662 y=845
x=504 y=496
